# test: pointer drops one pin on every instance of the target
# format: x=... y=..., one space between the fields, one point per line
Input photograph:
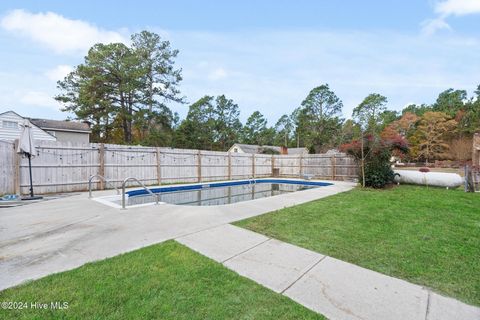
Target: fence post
x=253 y=165
x=273 y=163
x=101 y=169
x=333 y=167
x=229 y=166
x=300 y=166
x=159 y=168
x=199 y=166
x=16 y=165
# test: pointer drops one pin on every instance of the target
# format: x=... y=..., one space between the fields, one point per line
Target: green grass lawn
x=165 y=281
x=428 y=236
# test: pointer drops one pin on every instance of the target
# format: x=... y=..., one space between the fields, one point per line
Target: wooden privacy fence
x=64 y=167
x=8 y=166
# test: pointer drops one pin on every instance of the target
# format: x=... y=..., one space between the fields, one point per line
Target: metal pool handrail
x=139 y=183
x=101 y=178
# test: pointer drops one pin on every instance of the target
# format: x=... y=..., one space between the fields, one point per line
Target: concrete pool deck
x=61 y=234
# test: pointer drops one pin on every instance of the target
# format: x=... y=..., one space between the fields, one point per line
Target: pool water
x=219 y=193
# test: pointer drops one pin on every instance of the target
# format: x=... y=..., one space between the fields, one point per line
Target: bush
x=378 y=174
x=376 y=155
x=424 y=170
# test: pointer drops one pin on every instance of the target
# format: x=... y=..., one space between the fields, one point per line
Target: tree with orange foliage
x=403 y=126
x=429 y=140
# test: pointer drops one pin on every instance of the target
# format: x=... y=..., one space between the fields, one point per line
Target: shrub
x=424 y=170
x=378 y=174
x=376 y=158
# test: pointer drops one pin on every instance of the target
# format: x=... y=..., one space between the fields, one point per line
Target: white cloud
x=457 y=7
x=447 y=8
x=267 y=71
x=217 y=74
x=431 y=26
x=39 y=99
x=273 y=70
x=59 y=72
x=29 y=94
x=56 y=32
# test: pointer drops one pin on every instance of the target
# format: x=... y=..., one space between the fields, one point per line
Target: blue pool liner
x=198 y=186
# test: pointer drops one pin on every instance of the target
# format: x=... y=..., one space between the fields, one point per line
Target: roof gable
x=39 y=133
x=12 y=113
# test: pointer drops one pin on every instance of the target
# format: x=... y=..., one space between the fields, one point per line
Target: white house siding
x=232 y=149
x=10 y=134
x=70 y=136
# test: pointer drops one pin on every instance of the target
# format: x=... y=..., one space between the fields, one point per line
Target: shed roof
x=254 y=148
x=61 y=125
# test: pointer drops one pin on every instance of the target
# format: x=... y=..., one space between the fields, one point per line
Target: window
x=9 y=124
x=235 y=150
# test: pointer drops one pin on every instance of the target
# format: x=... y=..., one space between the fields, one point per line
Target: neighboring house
x=10 y=128
x=256 y=149
x=65 y=131
x=337 y=152
x=43 y=129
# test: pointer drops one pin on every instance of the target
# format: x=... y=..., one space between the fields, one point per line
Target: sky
x=265 y=55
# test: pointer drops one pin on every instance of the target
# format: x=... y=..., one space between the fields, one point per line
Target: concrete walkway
x=334 y=288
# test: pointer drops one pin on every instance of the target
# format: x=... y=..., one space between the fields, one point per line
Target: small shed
x=264 y=149
x=65 y=131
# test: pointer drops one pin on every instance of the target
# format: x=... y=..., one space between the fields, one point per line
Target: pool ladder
x=251 y=181
x=124 y=183
x=140 y=184
x=90 y=180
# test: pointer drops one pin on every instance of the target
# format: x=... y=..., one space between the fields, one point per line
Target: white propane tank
x=435 y=179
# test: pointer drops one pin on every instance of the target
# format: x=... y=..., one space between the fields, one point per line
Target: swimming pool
x=215 y=193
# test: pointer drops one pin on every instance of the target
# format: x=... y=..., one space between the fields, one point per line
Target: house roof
x=61 y=125
x=253 y=148
x=297 y=150
x=46 y=124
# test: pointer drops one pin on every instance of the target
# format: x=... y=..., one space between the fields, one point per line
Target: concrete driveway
x=62 y=234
